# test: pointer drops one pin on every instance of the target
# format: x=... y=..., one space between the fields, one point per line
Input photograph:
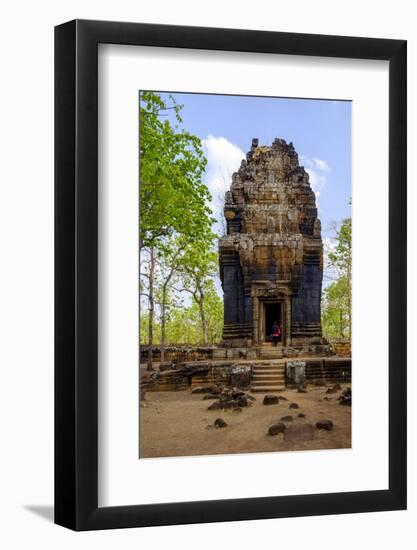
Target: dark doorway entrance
x=272 y=313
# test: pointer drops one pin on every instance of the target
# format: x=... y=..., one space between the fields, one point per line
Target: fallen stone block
x=325 y=425
x=346 y=397
x=201 y=389
x=299 y=432
x=220 y=423
x=223 y=404
x=271 y=399
x=277 y=428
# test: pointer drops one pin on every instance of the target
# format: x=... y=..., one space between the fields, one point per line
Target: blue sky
x=319 y=129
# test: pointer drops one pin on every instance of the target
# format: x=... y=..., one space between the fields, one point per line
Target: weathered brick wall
x=329 y=370
x=342 y=348
x=190 y=375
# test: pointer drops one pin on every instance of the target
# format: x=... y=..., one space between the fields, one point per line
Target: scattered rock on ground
x=201 y=389
x=331 y=390
x=229 y=399
x=302 y=390
x=270 y=399
x=346 y=397
x=237 y=393
x=301 y=415
x=287 y=418
x=283 y=398
x=324 y=425
x=299 y=432
x=243 y=401
x=220 y=423
x=215 y=406
x=293 y=406
x=277 y=428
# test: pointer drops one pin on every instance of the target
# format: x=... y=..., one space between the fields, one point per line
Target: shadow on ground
x=45 y=512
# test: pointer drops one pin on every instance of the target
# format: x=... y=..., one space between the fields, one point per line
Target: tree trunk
x=341 y=323
x=151 y=307
x=350 y=303
x=163 y=309
x=200 y=302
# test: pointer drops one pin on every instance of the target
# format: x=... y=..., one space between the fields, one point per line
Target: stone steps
x=266 y=370
x=268 y=378
x=270 y=345
x=271 y=356
x=270 y=382
x=270 y=353
x=267 y=389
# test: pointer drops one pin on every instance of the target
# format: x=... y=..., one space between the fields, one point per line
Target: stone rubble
x=325 y=425
x=346 y=397
x=270 y=399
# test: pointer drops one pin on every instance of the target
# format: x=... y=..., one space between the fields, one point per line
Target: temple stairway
x=268 y=351
x=268 y=377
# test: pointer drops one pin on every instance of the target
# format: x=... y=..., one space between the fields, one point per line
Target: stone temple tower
x=271 y=260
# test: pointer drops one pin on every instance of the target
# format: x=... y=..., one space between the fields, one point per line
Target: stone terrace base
x=317 y=347
x=238 y=350
x=247 y=374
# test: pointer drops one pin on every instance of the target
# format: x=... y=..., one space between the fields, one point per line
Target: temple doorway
x=273 y=312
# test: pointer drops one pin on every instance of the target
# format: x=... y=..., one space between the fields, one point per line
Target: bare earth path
x=179 y=424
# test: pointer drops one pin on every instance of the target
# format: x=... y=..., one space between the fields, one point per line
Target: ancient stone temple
x=271 y=260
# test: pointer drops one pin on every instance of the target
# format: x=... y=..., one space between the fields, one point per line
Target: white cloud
x=330 y=273
x=317 y=182
x=316 y=169
x=321 y=165
x=223 y=158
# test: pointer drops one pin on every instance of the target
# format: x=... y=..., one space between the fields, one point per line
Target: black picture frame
x=76 y=272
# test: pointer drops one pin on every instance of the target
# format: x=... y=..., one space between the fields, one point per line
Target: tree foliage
x=337 y=296
x=176 y=237
x=341 y=256
x=335 y=311
x=183 y=324
x=173 y=198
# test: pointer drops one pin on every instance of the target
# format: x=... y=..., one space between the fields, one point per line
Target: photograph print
x=245 y=274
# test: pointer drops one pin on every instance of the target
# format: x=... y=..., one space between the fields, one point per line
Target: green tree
x=214 y=316
x=183 y=322
x=337 y=301
x=173 y=199
x=169 y=263
x=336 y=309
x=341 y=259
x=199 y=265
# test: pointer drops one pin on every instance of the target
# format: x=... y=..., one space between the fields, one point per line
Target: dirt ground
x=179 y=424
